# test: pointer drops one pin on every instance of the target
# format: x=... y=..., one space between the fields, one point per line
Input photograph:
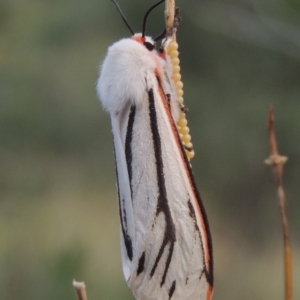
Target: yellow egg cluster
x=183 y=129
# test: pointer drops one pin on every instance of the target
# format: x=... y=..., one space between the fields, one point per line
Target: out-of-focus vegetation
x=58 y=208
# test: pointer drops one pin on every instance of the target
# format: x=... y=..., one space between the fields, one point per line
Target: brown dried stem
x=170 y=16
x=80 y=290
x=277 y=162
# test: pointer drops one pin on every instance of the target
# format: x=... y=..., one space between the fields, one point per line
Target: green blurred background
x=58 y=206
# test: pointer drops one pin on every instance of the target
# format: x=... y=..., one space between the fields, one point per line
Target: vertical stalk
x=170 y=15
x=277 y=162
x=80 y=290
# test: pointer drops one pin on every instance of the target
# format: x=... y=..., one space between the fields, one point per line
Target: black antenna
x=122 y=15
x=147 y=14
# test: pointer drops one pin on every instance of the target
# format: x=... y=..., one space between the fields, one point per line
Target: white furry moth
x=165 y=239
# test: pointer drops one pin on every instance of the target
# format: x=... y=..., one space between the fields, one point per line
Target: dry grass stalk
x=277 y=162
x=80 y=290
x=170 y=16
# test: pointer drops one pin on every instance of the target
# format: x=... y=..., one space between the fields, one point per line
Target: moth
x=165 y=239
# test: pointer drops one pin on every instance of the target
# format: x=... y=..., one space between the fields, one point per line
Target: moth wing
x=171 y=250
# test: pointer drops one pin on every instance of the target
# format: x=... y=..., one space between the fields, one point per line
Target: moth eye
x=149 y=46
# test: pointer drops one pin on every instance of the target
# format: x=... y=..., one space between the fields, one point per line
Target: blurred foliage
x=58 y=208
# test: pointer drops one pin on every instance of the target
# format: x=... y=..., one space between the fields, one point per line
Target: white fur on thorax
x=123 y=72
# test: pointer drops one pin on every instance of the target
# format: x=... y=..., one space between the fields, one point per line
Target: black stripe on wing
x=162 y=201
x=128 y=142
x=123 y=219
x=141 y=264
x=172 y=289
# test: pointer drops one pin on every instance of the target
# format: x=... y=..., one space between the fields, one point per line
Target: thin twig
x=170 y=16
x=277 y=162
x=80 y=290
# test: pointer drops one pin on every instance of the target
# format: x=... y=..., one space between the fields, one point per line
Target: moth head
x=147 y=41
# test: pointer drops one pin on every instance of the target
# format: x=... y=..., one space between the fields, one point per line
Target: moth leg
x=168 y=96
x=190 y=149
x=183 y=108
